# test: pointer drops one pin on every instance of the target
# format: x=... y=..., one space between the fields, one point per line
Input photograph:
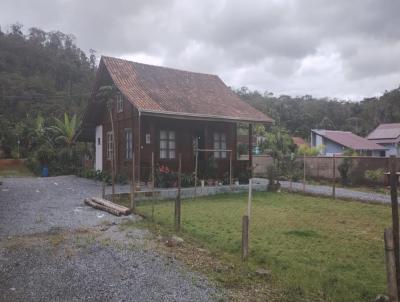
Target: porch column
x=251 y=149
x=139 y=163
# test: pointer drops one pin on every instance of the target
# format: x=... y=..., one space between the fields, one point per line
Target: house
x=336 y=142
x=299 y=141
x=388 y=136
x=165 y=112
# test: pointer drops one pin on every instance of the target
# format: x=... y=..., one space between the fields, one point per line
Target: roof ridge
x=162 y=67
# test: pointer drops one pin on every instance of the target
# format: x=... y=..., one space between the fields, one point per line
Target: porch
x=166 y=138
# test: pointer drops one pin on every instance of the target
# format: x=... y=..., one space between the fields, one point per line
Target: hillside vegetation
x=300 y=114
x=46 y=74
x=41 y=73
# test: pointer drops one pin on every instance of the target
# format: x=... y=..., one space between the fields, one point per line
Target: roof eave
x=205 y=117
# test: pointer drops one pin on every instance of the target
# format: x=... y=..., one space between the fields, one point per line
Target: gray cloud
x=327 y=48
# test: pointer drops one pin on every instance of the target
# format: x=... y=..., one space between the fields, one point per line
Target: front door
x=99 y=148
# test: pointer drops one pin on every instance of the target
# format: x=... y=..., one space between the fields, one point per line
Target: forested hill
x=46 y=73
x=300 y=114
x=40 y=72
x=46 y=67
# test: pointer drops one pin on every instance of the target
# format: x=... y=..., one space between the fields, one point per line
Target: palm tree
x=65 y=130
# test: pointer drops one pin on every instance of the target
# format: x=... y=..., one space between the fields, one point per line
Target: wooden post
x=178 y=197
x=139 y=148
x=152 y=185
x=245 y=237
x=395 y=215
x=113 y=155
x=230 y=169
x=133 y=185
x=249 y=199
x=195 y=171
x=390 y=265
x=334 y=177
x=304 y=173
x=103 y=191
x=251 y=149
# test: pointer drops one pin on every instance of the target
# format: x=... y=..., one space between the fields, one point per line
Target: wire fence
x=346 y=171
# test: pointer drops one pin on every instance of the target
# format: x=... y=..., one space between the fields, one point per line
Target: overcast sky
x=335 y=48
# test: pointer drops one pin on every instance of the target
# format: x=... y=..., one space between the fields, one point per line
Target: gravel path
x=340 y=192
x=33 y=205
x=52 y=248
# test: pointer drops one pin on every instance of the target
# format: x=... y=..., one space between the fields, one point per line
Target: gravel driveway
x=53 y=248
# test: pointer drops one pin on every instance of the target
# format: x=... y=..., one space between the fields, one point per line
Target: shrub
x=374 y=175
x=187 y=180
x=165 y=178
x=273 y=184
x=244 y=176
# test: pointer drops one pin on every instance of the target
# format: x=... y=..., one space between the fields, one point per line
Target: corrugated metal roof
x=349 y=140
x=386 y=133
x=163 y=90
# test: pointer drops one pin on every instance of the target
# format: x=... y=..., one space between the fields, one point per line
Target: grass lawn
x=317 y=248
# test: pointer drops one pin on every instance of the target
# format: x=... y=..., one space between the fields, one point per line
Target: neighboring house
x=387 y=135
x=166 y=112
x=299 y=141
x=336 y=142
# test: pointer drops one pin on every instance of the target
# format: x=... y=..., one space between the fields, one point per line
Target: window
x=110 y=145
x=219 y=144
x=120 y=103
x=128 y=143
x=167 y=144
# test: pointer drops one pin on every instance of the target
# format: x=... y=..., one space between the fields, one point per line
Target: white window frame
x=110 y=145
x=219 y=139
x=128 y=143
x=120 y=103
x=167 y=144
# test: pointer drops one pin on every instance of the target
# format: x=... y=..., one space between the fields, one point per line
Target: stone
x=382 y=298
x=263 y=273
x=174 y=241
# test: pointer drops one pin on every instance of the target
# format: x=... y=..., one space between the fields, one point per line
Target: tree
x=279 y=145
x=65 y=130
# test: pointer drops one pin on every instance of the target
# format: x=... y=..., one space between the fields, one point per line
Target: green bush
x=244 y=176
x=374 y=176
x=273 y=183
x=96 y=175
x=187 y=180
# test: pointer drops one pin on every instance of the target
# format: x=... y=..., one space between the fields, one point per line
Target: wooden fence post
x=103 y=189
x=250 y=198
x=245 y=237
x=304 y=173
x=152 y=185
x=230 y=169
x=390 y=265
x=334 y=177
x=133 y=184
x=195 y=172
x=178 y=197
x=395 y=215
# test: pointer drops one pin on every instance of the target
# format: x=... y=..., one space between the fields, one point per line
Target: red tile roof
x=349 y=140
x=386 y=133
x=155 y=89
x=299 y=141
